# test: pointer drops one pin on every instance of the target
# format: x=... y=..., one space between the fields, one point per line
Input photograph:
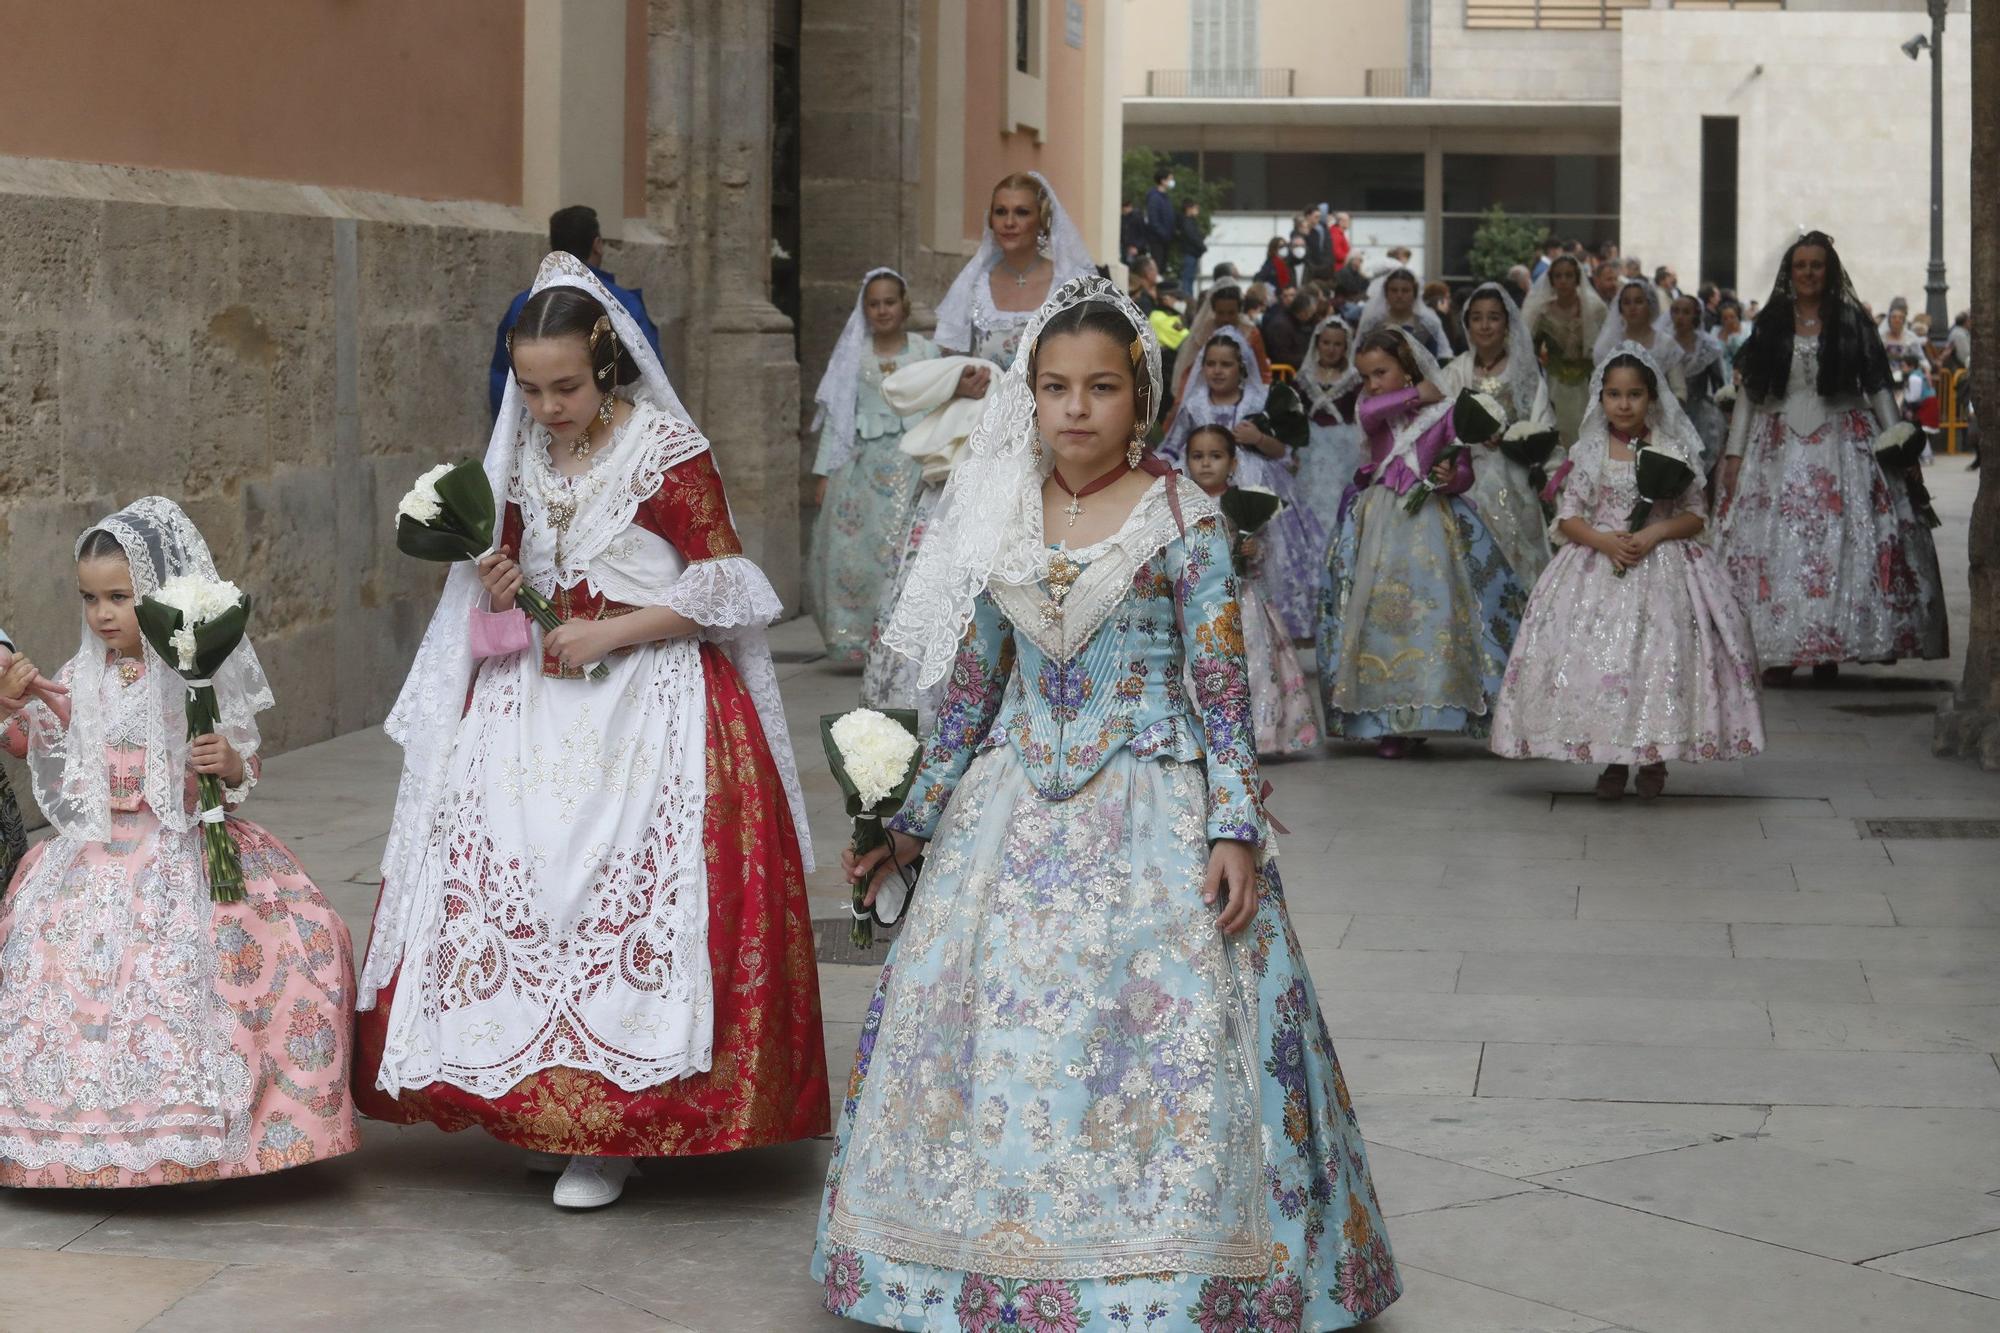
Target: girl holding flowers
x=1500 y=361
x=1329 y=385
x=592 y=940
x=1418 y=606
x=1281 y=711
x=1094 y=1077
x=1634 y=650
x=150 y=1035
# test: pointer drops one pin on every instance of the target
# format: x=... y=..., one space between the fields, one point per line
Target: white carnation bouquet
x=1725 y=397
x=874 y=759
x=194 y=624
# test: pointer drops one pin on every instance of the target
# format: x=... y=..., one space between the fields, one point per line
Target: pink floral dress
x=149 y=1035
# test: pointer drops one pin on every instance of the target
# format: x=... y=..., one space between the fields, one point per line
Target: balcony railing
x=1220 y=82
x=1569 y=14
x=1387 y=83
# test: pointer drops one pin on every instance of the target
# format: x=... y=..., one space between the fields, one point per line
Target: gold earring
x=1134 y=450
x=605 y=406
x=1037 y=450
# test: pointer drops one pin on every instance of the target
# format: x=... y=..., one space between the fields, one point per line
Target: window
x=1024 y=32
x=1569 y=14
x=1287 y=182
x=1222 y=48
x=1718 y=200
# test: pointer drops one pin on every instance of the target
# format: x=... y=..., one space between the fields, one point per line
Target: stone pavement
x=1724 y=1063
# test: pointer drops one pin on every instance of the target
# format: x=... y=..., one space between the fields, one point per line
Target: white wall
x=1525 y=64
x=1834 y=133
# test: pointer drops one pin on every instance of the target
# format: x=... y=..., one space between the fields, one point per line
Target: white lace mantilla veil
x=836 y=391
x=424 y=721
x=1066 y=250
x=1376 y=311
x=1524 y=369
x=1667 y=425
x=66 y=765
x=1542 y=296
x=1320 y=397
x=988 y=523
x=1613 y=332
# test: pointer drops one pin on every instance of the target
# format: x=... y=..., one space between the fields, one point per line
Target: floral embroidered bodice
x=996 y=333
x=1074 y=668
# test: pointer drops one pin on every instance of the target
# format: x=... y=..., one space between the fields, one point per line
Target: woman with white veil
x=867 y=483
x=1634 y=650
x=1328 y=386
x=1828 y=554
x=1500 y=361
x=150 y=1035
x=592 y=940
x=1639 y=316
x=1093 y=1078
x=1393 y=303
x=1030 y=248
x=1563 y=315
x=1700 y=369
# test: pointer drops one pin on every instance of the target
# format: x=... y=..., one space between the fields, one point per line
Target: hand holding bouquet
x=1661 y=476
x=1476 y=418
x=874 y=759
x=448 y=516
x=1900 y=450
x=194 y=624
x=1248 y=508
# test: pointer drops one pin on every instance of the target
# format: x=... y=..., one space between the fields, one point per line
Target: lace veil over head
x=72 y=783
x=987 y=524
x=1523 y=375
x=1320 y=393
x=1613 y=333
x=1667 y=425
x=424 y=720
x=1542 y=297
x=1064 y=245
x=1376 y=312
x=835 y=394
x=1193 y=408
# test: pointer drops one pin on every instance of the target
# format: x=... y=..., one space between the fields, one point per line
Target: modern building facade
x=255 y=254
x=1693 y=132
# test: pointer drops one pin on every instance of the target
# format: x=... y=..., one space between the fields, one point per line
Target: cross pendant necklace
x=1075 y=505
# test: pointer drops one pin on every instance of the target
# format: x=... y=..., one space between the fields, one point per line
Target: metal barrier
x=1952 y=421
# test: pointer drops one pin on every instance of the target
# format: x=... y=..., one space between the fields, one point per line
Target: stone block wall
x=282 y=361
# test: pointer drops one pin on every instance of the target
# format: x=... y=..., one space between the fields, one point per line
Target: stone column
x=708 y=194
x=1969 y=726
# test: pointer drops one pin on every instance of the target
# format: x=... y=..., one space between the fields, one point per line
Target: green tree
x=1501 y=242
x=1141 y=163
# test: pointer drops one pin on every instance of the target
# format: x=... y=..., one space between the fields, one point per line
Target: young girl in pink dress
x=1281 y=712
x=1634 y=649
x=148 y=1034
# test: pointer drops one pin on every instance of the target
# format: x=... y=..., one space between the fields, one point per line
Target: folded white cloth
x=939 y=440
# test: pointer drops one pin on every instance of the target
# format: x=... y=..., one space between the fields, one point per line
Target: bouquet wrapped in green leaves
x=873 y=755
x=1660 y=476
x=1247 y=508
x=1284 y=417
x=194 y=624
x=1900 y=449
x=1531 y=445
x=449 y=516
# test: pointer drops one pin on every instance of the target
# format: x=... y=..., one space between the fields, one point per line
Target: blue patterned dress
x=1417 y=611
x=1076 y=1103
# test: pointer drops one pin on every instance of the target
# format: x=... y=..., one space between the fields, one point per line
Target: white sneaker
x=547 y=1163
x=593 y=1182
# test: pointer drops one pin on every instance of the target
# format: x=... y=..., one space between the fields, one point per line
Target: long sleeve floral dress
x=1655 y=666
x=148 y=1034
x=857 y=540
x=1417 y=611
x=1076 y=1103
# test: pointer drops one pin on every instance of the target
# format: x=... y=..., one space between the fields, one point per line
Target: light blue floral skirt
x=1077 y=1105
x=857 y=542
x=1417 y=615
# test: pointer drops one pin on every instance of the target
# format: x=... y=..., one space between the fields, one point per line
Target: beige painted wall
x=1330 y=44
x=415 y=99
x=1807 y=157
x=1528 y=65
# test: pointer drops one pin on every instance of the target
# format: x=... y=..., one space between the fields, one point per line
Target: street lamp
x=1935 y=306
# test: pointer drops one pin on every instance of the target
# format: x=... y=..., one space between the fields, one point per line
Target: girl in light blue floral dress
x=1094 y=1089
x=867 y=483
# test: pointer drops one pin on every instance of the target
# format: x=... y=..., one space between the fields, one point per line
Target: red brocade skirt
x=767 y=1081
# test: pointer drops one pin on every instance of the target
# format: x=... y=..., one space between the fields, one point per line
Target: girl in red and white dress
x=593 y=939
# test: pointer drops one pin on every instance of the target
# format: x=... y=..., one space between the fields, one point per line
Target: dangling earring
x=1042 y=245
x=1134 y=449
x=605 y=406
x=1036 y=451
